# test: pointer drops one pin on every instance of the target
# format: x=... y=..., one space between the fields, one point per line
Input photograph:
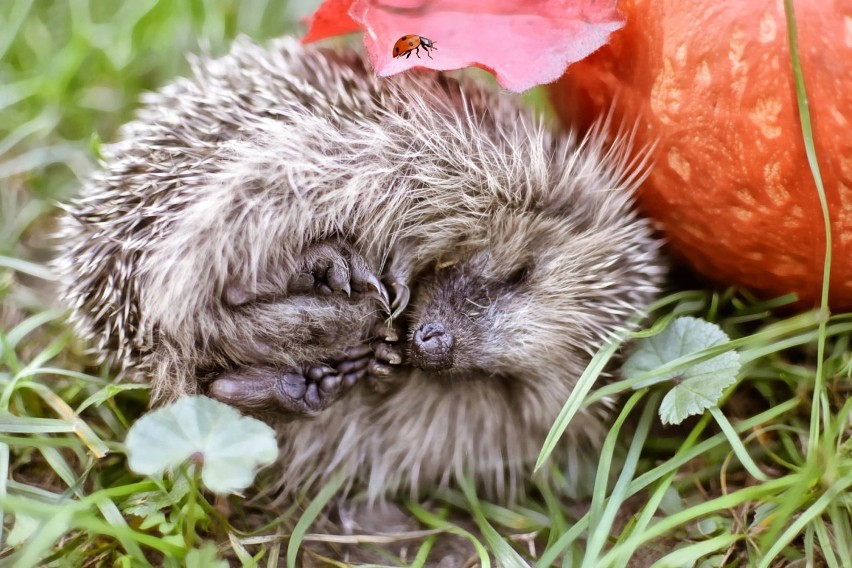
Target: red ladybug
x=408 y=43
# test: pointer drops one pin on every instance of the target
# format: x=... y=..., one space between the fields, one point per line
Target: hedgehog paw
x=331 y=268
x=386 y=354
x=374 y=360
x=267 y=390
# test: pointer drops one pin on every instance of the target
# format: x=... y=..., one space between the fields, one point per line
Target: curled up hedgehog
x=406 y=276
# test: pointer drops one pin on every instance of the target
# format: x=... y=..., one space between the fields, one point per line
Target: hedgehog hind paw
x=273 y=391
x=266 y=390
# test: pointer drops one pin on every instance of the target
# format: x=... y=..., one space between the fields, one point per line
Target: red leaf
x=331 y=19
x=524 y=43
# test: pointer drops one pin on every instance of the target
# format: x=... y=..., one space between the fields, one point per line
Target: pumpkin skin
x=711 y=84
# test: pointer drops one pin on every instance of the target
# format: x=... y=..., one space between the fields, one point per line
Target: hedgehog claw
x=369 y=285
x=382 y=296
x=401 y=296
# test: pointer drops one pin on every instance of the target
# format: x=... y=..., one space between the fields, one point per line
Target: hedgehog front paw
x=330 y=268
x=385 y=353
x=267 y=390
x=374 y=359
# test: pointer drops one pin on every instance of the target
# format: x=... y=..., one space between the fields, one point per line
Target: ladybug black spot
x=411 y=43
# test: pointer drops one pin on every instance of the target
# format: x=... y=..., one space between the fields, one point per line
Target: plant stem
x=810 y=151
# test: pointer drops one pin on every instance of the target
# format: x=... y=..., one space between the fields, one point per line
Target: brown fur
x=176 y=258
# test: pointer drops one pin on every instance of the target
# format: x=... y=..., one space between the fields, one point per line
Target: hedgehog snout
x=432 y=347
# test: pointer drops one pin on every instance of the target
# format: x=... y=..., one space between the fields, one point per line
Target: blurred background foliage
x=72 y=71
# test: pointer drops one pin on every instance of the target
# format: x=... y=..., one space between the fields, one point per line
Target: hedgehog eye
x=518 y=276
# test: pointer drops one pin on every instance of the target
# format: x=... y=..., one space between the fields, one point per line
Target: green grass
x=766 y=480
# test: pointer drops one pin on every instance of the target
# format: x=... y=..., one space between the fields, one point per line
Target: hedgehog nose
x=432 y=347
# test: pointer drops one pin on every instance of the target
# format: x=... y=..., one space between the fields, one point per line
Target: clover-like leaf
x=698 y=386
x=523 y=43
x=147 y=503
x=229 y=446
x=204 y=557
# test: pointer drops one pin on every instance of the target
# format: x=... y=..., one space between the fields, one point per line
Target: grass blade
x=14 y=22
x=27 y=267
x=48 y=532
x=575 y=400
x=113 y=516
x=803 y=520
x=423 y=552
x=729 y=501
x=4 y=480
x=600 y=532
x=825 y=544
x=841 y=523
x=644 y=519
x=607 y=454
x=81 y=428
x=17 y=425
x=309 y=516
x=29 y=325
x=504 y=553
x=434 y=521
x=737 y=444
x=689 y=555
x=810 y=151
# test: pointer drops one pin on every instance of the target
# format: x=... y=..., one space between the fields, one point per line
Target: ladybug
x=408 y=43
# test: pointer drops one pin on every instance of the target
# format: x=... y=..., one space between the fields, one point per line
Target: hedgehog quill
x=406 y=276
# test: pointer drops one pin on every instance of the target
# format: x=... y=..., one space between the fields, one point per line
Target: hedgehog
x=406 y=276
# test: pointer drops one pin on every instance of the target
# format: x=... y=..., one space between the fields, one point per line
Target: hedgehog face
x=533 y=299
x=458 y=310
x=463 y=306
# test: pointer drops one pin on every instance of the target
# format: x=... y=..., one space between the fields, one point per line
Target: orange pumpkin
x=710 y=83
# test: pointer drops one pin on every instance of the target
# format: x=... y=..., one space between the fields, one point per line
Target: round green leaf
x=230 y=447
x=698 y=386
